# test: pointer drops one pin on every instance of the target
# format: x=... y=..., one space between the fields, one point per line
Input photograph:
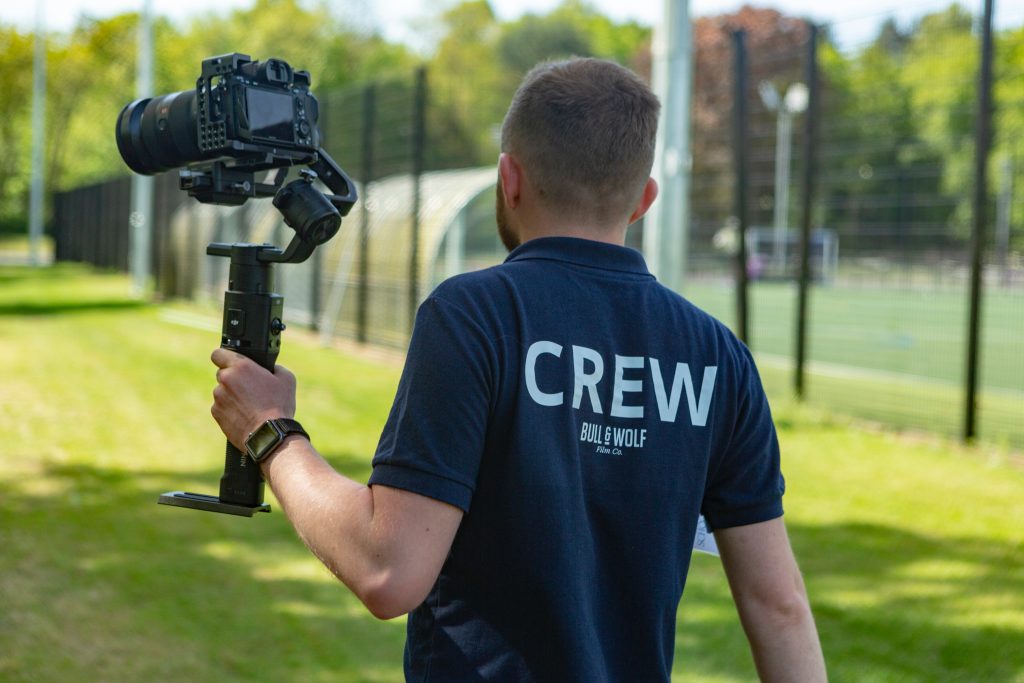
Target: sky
x=853 y=21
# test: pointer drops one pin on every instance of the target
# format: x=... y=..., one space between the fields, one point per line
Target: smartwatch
x=268 y=436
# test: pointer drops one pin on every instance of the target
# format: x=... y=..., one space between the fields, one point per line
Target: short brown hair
x=584 y=129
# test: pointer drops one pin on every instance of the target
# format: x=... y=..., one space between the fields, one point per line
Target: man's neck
x=571 y=229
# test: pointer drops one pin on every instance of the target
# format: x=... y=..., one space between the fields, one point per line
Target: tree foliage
x=896 y=124
x=481 y=60
x=476 y=65
x=775 y=48
x=15 y=94
x=901 y=114
x=91 y=76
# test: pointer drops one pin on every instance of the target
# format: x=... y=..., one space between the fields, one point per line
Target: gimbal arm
x=336 y=180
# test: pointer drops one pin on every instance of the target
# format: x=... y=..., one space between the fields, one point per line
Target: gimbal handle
x=252 y=326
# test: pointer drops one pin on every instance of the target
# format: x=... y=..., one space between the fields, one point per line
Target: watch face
x=263 y=439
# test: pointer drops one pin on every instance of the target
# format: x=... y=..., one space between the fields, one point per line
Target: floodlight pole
x=141 y=218
x=786 y=108
x=667 y=225
x=783 y=155
x=35 y=211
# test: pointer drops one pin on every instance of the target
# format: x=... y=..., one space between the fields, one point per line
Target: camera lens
x=158 y=134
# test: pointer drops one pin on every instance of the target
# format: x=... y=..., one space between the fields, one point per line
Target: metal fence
x=879 y=327
x=92 y=224
x=883 y=325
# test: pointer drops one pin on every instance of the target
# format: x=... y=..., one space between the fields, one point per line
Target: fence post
x=419 y=135
x=316 y=272
x=740 y=142
x=807 y=197
x=363 y=300
x=982 y=142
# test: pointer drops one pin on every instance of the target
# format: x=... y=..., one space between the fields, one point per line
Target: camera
x=258 y=114
x=244 y=116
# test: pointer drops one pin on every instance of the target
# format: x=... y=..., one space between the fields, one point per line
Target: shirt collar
x=581 y=252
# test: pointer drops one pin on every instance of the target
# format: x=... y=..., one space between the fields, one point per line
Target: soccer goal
x=775 y=255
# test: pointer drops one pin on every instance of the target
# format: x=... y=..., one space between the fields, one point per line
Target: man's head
x=582 y=133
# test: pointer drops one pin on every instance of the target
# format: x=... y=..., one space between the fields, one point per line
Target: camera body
x=244 y=116
x=254 y=108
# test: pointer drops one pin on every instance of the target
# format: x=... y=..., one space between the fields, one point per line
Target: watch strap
x=288 y=426
x=270 y=435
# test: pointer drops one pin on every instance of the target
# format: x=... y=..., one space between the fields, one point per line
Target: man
x=561 y=421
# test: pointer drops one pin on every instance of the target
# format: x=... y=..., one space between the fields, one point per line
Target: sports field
x=895 y=355
x=911 y=547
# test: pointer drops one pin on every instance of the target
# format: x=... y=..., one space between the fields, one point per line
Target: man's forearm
x=784 y=642
x=772 y=602
x=333 y=515
x=387 y=545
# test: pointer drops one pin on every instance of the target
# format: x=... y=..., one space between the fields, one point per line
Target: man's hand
x=247 y=395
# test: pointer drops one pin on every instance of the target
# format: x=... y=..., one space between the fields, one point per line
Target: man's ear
x=646 y=199
x=511 y=174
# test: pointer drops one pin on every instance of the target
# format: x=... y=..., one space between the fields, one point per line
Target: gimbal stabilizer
x=252 y=321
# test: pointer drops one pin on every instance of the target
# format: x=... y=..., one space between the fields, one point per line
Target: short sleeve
x=434 y=436
x=745 y=483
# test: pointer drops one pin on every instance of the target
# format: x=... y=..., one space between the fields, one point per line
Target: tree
x=940 y=74
x=535 y=39
x=775 y=44
x=879 y=177
x=1009 y=125
x=480 y=62
x=15 y=101
x=469 y=89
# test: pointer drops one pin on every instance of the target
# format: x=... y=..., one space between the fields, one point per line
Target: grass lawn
x=913 y=549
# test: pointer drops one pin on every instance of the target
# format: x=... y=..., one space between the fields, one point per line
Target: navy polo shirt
x=582 y=415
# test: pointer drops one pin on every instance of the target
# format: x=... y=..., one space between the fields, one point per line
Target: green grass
x=913 y=550
x=892 y=355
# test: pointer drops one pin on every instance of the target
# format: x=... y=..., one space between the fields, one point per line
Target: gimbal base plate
x=200 y=501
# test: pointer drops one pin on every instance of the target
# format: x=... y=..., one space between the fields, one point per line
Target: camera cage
x=228 y=133
x=235 y=94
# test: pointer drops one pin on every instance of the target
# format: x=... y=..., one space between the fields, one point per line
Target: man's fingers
x=223 y=357
x=284 y=373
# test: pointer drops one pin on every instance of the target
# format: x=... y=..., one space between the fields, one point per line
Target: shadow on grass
x=916 y=607
x=890 y=605
x=90 y=559
x=43 y=308
x=149 y=592
x=63 y=270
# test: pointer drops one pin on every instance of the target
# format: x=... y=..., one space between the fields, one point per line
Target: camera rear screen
x=271 y=114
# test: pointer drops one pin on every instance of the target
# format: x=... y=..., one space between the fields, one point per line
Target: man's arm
x=772 y=601
x=387 y=545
